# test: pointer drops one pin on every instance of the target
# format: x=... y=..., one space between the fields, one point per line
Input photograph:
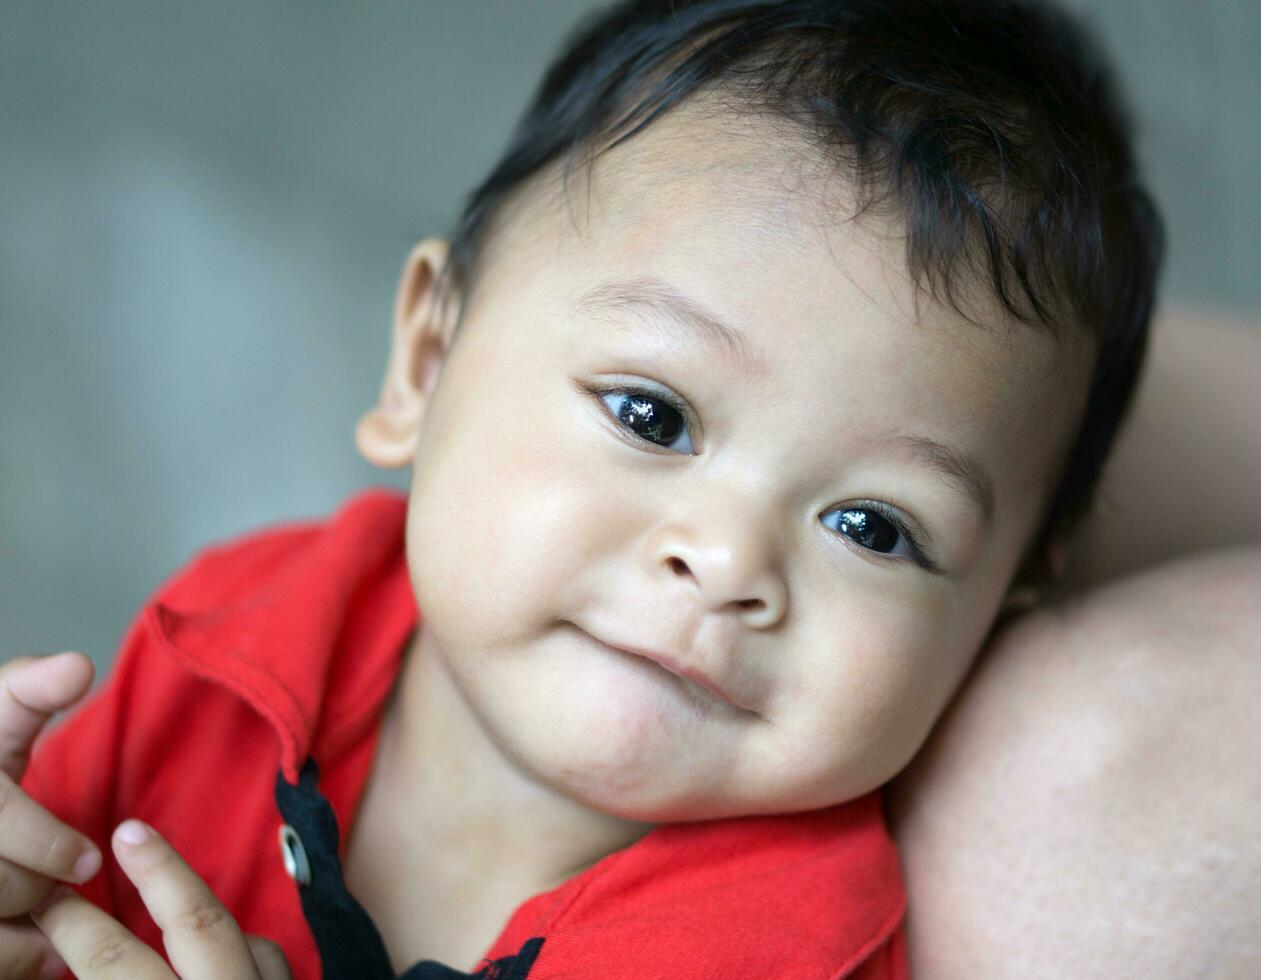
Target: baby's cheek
x=918 y=696
x=892 y=691
x=494 y=538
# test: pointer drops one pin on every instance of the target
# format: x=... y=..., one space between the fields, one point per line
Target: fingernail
x=89 y=863
x=132 y=832
x=54 y=966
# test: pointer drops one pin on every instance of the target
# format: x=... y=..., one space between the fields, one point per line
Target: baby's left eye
x=875 y=529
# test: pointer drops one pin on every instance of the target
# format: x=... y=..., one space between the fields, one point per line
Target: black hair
x=993 y=127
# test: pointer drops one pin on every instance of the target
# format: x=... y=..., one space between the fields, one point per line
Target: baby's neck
x=450 y=835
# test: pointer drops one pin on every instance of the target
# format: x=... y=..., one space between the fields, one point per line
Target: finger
x=201 y=937
x=25 y=953
x=32 y=689
x=94 y=945
x=21 y=890
x=34 y=839
x=269 y=958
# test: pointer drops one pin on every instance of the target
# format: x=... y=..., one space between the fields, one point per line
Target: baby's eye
x=877 y=528
x=649 y=416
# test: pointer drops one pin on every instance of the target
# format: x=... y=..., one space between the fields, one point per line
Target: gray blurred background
x=204 y=208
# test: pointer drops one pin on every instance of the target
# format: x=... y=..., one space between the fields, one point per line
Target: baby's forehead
x=750 y=219
x=750 y=187
x=751 y=176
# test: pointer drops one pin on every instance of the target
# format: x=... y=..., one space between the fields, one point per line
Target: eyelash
x=691 y=423
x=889 y=514
x=652 y=394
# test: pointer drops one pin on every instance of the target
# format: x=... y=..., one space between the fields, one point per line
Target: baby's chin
x=664 y=801
x=620 y=767
x=621 y=735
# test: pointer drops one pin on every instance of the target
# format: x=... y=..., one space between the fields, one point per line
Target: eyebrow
x=666 y=309
x=963 y=470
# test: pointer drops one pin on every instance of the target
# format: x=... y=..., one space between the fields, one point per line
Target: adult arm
x=1185 y=475
x=1088 y=806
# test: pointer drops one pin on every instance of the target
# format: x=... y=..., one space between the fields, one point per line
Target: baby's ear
x=1041 y=576
x=421 y=337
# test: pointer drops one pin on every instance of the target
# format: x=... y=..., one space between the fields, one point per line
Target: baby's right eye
x=648 y=416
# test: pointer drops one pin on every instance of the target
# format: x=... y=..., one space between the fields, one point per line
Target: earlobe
x=421 y=337
x=1020 y=598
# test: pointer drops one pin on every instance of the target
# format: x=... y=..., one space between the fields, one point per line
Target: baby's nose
x=730 y=568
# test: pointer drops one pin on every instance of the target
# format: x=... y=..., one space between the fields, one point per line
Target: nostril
x=750 y=603
x=678 y=566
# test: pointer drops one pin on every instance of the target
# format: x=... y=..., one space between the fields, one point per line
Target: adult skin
x=1088 y=807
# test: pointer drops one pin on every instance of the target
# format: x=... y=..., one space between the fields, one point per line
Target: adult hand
x=202 y=940
x=36 y=849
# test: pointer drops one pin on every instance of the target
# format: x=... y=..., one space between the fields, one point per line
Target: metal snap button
x=294 y=854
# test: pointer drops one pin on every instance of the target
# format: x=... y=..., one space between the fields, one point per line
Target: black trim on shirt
x=350 y=945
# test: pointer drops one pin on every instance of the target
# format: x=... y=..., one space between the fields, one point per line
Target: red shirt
x=284 y=643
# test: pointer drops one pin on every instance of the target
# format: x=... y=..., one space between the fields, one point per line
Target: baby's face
x=665 y=492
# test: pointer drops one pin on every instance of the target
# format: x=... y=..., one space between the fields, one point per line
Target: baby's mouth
x=671 y=664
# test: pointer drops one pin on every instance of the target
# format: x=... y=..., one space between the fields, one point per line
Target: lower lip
x=704 y=685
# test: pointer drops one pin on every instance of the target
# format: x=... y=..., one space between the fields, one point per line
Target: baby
x=765 y=370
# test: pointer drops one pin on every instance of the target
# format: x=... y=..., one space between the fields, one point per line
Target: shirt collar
x=305 y=621
x=810 y=894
